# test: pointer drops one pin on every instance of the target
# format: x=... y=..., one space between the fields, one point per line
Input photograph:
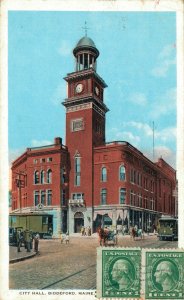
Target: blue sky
x=137 y=61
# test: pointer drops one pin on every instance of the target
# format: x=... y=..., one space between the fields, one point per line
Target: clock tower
x=85 y=129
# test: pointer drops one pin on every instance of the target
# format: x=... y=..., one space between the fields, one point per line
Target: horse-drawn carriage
x=106 y=237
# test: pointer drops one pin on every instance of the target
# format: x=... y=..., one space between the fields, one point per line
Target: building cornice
x=74 y=76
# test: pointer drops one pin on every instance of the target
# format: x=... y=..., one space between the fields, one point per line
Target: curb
x=12 y=261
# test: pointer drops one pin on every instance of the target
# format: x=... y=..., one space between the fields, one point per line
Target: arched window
x=42 y=177
x=49 y=176
x=122 y=174
x=104 y=174
x=36 y=177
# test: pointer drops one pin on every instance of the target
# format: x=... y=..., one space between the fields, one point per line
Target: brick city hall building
x=89 y=182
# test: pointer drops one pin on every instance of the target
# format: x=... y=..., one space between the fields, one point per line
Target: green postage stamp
x=118 y=272
x=133 y=273
x=163 y=271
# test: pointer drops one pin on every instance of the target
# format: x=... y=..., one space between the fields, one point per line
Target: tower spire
x=85 y=28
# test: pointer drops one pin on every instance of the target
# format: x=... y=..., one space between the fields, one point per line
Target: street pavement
x=69 y=266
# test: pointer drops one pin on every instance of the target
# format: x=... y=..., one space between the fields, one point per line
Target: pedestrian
x=31 y=239
x=36 y=242
x=89 y=231
x=133 y=233
x=82 y=230
x=18 y=236
x=61 y=237
x=67 y=238
x=27 y=240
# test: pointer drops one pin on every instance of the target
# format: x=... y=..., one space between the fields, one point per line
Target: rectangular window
x=43 y=197
x=146 y=202
x=103 y=196
x=134 y=199
x=159 y=187
x=42 y=160
x=77 y=125
x=45 y=220
x=131 y=197
x=36 y=197
x=63 y=175
x=49 y=159
x=77 y=196
x=138 y=178
x=35 y=161
x=49 y=197
x=122 y=195
x=77 y=171
x=152 y=204
x=153 y=186
x=140 y=200
x=132 y=175
x=63 y=199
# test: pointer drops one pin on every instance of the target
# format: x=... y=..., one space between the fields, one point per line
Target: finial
x=85 y=28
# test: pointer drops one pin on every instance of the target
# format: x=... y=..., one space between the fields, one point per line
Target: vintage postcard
x=92 y=149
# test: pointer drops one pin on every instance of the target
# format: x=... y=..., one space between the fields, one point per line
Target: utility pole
x=20 y=184
x=153 y=141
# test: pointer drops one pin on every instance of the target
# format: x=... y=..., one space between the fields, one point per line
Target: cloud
x=164 y=104
x=162 y=69
x=116 y=134
x=37 y=143
x=138 y=98
x=166 y=58
x=131 y=138
x=163 y=152
x=166 y=134
x=65 y=48
x=140 y=126
x=167 y=51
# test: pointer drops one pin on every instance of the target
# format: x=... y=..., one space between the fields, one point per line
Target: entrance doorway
x=78 y=222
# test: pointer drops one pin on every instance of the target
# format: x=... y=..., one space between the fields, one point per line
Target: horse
x=102 y=236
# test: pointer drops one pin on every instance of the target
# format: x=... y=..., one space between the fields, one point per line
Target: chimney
x=58 y=141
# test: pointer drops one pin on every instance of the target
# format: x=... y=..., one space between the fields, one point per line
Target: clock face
x=97 y=90
x=79 y=88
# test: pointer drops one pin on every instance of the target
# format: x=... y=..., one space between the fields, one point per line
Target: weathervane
x=85 y=28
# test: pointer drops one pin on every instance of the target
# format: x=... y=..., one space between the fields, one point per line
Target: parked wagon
x=35 y=222
x=111 y=238
x=106 y=237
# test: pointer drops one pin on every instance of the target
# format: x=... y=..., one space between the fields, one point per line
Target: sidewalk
x=15 y=256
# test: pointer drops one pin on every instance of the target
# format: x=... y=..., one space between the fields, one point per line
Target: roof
x=85 y=43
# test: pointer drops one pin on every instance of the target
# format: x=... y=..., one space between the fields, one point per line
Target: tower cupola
x=86 y=54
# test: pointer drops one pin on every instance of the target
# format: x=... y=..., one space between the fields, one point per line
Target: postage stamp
x=118 y=272
x=163 y=271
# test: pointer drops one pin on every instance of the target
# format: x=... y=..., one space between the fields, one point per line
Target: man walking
x=36 y=242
